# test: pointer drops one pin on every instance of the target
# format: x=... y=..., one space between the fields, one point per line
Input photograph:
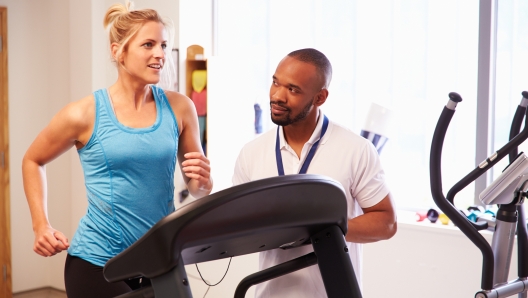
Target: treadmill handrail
x=177 y=231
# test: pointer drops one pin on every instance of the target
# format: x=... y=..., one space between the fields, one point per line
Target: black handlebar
x=447 y=207
x=522 y=233
x=516 y=124
x=446 y=204
x=455 y=97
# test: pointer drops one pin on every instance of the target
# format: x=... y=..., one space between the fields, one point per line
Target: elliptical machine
x=508 y=191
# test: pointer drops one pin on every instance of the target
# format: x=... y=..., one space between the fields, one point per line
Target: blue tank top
x=129 y=178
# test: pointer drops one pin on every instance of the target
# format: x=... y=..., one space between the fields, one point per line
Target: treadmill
x=274 y=213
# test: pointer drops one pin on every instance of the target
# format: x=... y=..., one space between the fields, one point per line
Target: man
x=299 y=88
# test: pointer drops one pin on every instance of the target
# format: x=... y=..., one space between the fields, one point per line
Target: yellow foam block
x=443 y=218
x=199 y=79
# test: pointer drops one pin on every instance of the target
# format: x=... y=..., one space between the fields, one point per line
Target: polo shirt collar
x=315 y=135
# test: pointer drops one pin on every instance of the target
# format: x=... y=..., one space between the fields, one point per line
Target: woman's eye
x=148 y=44
x=164 y=46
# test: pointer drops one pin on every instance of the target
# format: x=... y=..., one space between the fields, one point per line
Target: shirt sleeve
x=240 y=175
x=368 y=186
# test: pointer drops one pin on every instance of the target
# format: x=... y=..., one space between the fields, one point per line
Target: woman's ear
x=114 y=49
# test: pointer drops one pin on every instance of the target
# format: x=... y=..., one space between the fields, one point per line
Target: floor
x=41 y=293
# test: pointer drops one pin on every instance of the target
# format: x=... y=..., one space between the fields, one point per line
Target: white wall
x=81 y=80
x=58 y=53
x=425 y=260
x=38 y=54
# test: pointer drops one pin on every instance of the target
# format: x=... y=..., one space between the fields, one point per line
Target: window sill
x=407 y=220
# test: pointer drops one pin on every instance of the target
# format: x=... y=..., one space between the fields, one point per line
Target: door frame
x=5 y=220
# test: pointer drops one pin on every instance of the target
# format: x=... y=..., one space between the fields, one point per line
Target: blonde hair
x=123 y=22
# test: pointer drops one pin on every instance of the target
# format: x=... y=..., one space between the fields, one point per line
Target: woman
x=128 y=137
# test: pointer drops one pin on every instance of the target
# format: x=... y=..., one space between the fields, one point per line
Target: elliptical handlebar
x=522 y=232
x=524 y=101
x=517 y=121
x=455 y=97
x=446 y=204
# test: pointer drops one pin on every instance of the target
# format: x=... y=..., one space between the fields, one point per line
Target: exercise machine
x=508 y=192
x=274 y=213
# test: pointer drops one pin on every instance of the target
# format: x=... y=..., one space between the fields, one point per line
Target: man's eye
x=292 y=90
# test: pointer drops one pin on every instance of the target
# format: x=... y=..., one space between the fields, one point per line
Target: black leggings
x=84 y=279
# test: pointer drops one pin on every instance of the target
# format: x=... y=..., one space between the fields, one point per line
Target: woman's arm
x=193 y=163
x=70 y=126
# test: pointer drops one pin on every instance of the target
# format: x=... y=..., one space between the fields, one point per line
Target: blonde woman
x=128 y=137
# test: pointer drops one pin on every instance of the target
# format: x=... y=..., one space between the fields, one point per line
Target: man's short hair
x=318 y=59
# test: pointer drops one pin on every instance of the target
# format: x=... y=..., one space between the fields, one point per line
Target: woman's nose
x=160 y=52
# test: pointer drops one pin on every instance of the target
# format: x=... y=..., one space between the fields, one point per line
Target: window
x=511 y=74
x=405 y=55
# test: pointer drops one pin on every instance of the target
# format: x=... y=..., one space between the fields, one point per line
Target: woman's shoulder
x=83 y=106
x=80 y=112
x=173 y=96
x=179 y=102
x=75 y=120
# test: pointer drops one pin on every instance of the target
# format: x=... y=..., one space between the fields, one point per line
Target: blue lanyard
x=308 y=160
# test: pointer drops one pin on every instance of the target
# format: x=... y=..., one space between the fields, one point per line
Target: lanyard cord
x=308 y=160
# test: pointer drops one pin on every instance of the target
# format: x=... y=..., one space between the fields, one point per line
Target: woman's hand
x=196 y=168
x=49 y=242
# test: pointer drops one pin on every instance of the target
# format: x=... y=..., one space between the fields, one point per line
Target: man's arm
x=377 y=223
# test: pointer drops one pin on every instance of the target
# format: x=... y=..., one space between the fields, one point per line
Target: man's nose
x=277 y=93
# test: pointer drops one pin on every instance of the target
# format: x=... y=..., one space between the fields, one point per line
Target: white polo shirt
x=342 y=155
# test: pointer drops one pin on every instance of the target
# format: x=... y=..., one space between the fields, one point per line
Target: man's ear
x=321 y=97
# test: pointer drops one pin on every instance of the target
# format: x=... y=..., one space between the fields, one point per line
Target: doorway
x=5 y=235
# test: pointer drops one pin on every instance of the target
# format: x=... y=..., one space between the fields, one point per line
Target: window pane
x=433 y=51
x=406 y=55
x=511 y=75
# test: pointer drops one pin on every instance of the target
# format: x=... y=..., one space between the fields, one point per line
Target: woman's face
x=144 y=57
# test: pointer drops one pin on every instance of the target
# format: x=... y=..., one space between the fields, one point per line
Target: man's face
x=293 y=91
x=145 y=55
